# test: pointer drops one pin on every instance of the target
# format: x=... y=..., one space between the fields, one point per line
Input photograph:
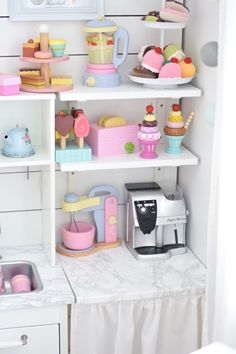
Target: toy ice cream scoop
x=175 y=129
x=17 y=143
x=170 y=70
x=153 y=60
x=173 y=50
x=149 y=134
x=188 y=69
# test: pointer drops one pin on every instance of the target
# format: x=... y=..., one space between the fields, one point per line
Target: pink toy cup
x=20 y=283
x=78 y=240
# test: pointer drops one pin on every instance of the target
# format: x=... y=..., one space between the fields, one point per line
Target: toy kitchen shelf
x=40 y=158
x=127 y=91
x=128 y=161
x=33 y=111
x=130 y=91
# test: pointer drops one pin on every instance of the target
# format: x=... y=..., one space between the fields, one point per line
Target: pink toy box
x=111 y=141
x=9 y=84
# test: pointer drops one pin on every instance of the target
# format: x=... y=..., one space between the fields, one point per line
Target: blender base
x=101 y=80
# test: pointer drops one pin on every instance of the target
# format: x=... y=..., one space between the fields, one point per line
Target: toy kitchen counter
x=114 y=275
x=56 y=289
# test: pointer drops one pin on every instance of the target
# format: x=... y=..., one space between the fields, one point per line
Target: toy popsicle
x=81 y=128
x=189 y=120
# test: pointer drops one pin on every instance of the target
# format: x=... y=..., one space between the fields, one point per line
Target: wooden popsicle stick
x=63 y=142
x=81 y=143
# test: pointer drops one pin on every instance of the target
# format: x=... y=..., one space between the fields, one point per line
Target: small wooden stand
x=46 y=73
x=61 y=249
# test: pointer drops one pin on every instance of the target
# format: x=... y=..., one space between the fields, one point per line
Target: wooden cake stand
x=45 y=72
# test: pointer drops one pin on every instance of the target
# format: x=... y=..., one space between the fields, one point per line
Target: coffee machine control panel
x=146 y=211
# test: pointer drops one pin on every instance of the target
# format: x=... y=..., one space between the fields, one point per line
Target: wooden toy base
x=73 y=153
x=61 y=249
x=49 y=89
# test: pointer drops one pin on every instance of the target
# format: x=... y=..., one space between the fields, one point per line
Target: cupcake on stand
x=175 y=129
x=149 y=134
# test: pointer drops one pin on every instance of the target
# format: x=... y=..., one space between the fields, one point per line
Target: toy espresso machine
x=103 y=38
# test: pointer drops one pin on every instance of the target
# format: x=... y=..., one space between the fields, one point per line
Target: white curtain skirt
x=169 y=325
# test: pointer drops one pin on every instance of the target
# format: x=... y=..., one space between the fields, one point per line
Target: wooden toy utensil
x=189 y=120
x=81 y=128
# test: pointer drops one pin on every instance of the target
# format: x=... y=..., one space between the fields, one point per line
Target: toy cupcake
x=149 y=134
x=57 y=47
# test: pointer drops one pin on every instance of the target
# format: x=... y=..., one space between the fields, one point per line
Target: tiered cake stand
x=45 y=72
x=162 y=83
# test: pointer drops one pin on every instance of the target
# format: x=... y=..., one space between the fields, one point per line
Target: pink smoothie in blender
x=103 y=37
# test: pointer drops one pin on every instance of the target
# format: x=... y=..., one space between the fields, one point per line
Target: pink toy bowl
x=81 y=240
x=20 y=283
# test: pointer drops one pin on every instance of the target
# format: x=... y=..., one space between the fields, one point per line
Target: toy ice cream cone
x=175 y=129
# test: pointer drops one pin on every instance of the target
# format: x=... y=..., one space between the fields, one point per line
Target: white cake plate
x=160 y=83
x=164 y=25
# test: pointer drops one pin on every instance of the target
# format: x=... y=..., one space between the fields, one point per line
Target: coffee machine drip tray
x=154 y=252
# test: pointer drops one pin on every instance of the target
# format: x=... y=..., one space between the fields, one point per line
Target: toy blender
x=103 y=37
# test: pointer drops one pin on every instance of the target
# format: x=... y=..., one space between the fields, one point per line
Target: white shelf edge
x=164 y=25
x=40 y=158
x=127 y=91
x=23 y=96
x=128 y=161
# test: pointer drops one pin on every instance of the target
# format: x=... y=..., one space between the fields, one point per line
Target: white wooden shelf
x=40 y=158
x=133 y=161
x=127 y=91
x=22 y=96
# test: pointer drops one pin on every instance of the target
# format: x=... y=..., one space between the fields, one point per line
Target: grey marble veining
x=56 y=289
x=115 y=275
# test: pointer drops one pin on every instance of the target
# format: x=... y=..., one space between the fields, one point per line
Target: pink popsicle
x=81 y=127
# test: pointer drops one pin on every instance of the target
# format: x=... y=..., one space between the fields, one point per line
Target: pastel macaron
x=57 y=47
x=43 y=54
x=170 y=70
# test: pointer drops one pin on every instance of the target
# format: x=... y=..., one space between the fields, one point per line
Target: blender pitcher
x=103 y=37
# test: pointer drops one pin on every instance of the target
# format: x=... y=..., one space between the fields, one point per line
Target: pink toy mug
x=81 y=240
x=20 y=283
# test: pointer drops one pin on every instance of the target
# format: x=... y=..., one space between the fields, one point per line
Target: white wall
x=196 y=180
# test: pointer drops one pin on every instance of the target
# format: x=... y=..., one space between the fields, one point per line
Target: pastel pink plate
x=20 y=284
x=75 y=240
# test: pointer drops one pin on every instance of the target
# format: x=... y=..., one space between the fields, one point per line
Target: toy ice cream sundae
x=175 y=129
x=149 y=134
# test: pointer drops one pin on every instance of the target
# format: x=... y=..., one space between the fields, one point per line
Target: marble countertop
x=115 y=275
x=56 y=289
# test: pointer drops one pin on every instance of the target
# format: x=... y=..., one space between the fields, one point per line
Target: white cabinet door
x=30 y=340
